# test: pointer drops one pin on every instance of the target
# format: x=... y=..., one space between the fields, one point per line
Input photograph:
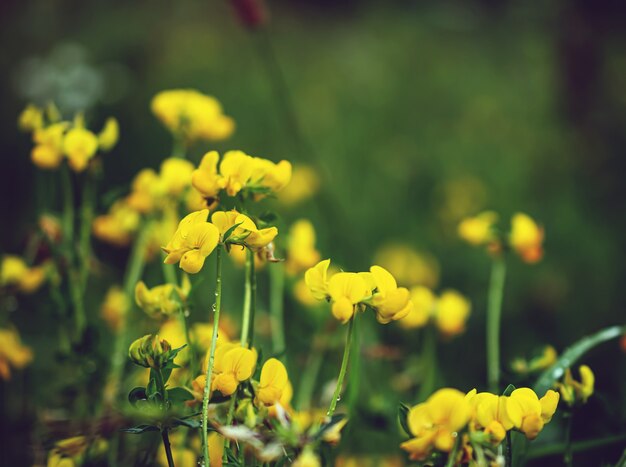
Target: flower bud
x=150 y=351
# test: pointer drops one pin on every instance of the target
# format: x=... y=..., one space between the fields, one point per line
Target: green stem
x=508 y=450
x=249 y=302
x=452 y=456
x=67 y=220
x=277 y=288
x=86 y=219
x=133 y=273
x=229 y=421
x=168 y=447
x=579 y=446
x=207 y=388
x=568 y=455
x=179 y=148
x=343 y=370
x=428 y=363
x=494 y=311
x=309 y=378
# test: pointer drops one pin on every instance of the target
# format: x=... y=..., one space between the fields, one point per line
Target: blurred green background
x=412 y=112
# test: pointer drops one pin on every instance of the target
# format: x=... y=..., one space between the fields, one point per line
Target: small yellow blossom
x=192 y=115
x=303 y=185
x=478 y=230
x=246 y=233
x=159 y=301
x=532 y=413
x=14 y=272
x=13 y=354
x=408 y=266
x=233 y=364
x=115 y=308
x=274 y=381
x=68 y=452
x=205 y=179
x=424 y=301
x=31 y=118
x=267 y=174
x=302 y=293
x=574 y=391
x=436 y=423
x=451 y=313
x=301 y=252
x=307 y=458
x=391 y=302
x=346 y=290
x=79 y=145
x=145 y=190
x=192 y=242
x=118 y=225
x=109 y=135
x=236 y=169
x=175 y=175
x=316 y=278
x=545 y=360
x=526 y=238
x=48 y=150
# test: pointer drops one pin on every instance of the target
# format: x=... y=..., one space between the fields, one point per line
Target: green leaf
x=137 y=394
x=179 y=395
x=509 y=389
x=194 y=424
x=403 y=413
x=573 y=354
x=230 y=231
x=137 y=430
x=327 y=426
x=151 y=389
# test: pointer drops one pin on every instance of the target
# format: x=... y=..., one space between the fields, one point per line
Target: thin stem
x=86 y=218
x=229 y=421
x=277 y=288
x=309 y=377
x=494 y=311
x=568 y=455
x=68 y=206
x=168 y=447
x=579 y=446
x=207 y=388
x=428 y=363
x=249 y=301
x=133 y=273
x=452 y=456
x=343 y=370
x=508 y=450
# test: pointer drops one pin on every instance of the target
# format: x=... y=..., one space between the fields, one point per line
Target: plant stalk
x=343 y=370
x=494 y=312
x=277 y=289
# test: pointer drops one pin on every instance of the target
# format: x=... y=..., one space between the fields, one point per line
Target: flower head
x=301 y=252
x=451 y=313
x=159 y=301
x=115 y=307
x=390 y=301
x=479 y=230
x=273 y=383
x=424 y=301
x=574 y=391
x=526 y=238
x=13 y=354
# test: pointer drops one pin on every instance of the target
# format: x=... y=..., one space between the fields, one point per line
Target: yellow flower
x=304 y=184
x=175 y=175
x=149 y=351
x=274 y=381
x=408 y=266
x=79 y=145
x=545 y=360
x=12 y=352
x=478 y=230
x=451 y=313
x=494 y=414
x=303 y=294
x=48 y=150
x=301 y=252
x=206 y=179
x=266 y=174
x=31 y=118
x=192 y=115
x=436 y=423
x=246 y=233
x=145 y=191
x=236 y=169
x=159 y=301
x=68 y=452
x=390 y=301
x=307 y=458
x=574 y=391
x=526 y=238
x=316 y=278
x=233 y=364
x=109 y=135
x=115 y=308
x=424 y=301
x=346 y=290
x=202 y=333
x=192 y=242
x=14 y=272
x=529 y=412
x=118 y=226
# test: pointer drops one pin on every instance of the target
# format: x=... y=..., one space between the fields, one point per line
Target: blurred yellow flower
x=574 y=391
x=408 y=266
x=266 y=174
x=159 y=301
x=192 y=115
x=479 y=230
x=145 y=191
x=307 y=458
x=109 y=135
x=301 y=252
x=541 y=362
x=79 y=145
x=390 y=301
x=13 y=354
x=316 y=279
x=205 y=179
x=236 y=169
x=233 y=364
x=526 y=238
x=274 y=381
x=246 y=233
x=424 y=301
x=451 y=313
x=48 y=150
x=14 y=272
x=175 y=175
x=304 y=184
x=68 y=452
x=302 y=293
x=118 y=225
x=115 y=308
x=193 y=241
x=31 y=118
x=436 y=423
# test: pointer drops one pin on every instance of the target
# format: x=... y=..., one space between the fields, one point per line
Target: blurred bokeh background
x=414 y=114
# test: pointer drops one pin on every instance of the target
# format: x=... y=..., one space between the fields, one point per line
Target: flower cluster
x=13 y=354
x=56 y=139
x=577 y=392
x=350 y=292
x=525 y=236
x=449 y=418
x=15 y=273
